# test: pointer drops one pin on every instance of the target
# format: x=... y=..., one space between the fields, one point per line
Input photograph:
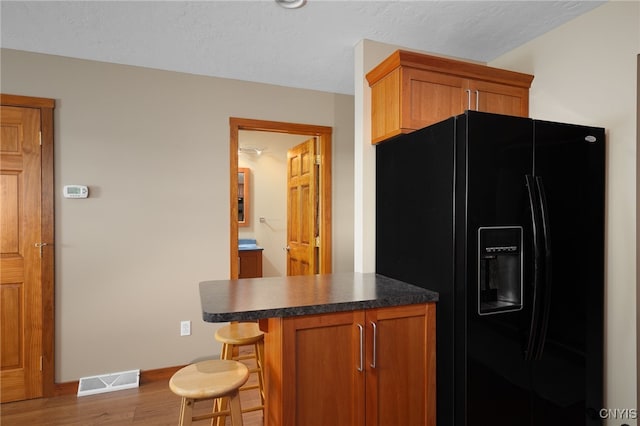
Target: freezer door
x=497 y=153
x=567 y=369
x=414 y=231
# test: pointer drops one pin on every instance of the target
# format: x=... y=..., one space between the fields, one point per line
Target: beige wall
x=585 y=72
x=153 y=147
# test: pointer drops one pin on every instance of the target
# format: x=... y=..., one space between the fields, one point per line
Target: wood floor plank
x=151 y=404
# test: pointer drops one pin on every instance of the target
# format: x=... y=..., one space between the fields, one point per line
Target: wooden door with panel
x=302 y=209
x=21 y=247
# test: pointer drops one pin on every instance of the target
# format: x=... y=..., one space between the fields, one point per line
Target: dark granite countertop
x=257 y=298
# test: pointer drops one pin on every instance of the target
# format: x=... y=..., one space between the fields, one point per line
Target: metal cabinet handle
x=375 y=339
x=477 y=100
x=361 y=330
x=468 y=98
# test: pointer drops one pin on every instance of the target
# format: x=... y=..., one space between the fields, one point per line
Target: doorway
x=323 y=136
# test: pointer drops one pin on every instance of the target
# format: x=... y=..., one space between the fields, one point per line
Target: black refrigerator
x=504 y=217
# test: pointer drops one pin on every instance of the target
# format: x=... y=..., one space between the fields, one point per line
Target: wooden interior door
x=302 y=209
x=21 y=303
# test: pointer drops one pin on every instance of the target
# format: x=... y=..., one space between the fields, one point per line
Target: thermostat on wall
x=75 y=191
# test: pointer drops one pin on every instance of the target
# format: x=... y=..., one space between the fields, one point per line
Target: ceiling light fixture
x=251 y=150
x=291 y=4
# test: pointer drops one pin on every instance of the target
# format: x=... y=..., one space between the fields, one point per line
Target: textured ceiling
x=311 y=47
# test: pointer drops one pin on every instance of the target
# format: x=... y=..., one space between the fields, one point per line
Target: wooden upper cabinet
x=410 y=91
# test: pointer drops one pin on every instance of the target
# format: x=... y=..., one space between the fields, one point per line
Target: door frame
x=323 y=133
x=46 y=107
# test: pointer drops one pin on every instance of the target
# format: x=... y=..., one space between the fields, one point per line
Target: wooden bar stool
x=207 y=380
x=232 y=337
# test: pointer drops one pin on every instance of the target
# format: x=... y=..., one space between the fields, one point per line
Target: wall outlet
x=185 y=328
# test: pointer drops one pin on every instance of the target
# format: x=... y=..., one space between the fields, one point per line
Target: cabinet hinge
x=318 y=159
x=41 y=362
x=317 y=241
x=40 y=138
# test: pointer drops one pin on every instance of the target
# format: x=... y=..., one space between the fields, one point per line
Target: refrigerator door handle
x=546 y=283
x=537 y=265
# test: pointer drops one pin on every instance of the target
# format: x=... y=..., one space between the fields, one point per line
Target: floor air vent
x=109 y=382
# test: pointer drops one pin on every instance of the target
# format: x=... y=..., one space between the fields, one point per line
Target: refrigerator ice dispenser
x=499 y=269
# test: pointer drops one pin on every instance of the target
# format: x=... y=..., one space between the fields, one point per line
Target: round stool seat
x=240 y=333
x=209 y=379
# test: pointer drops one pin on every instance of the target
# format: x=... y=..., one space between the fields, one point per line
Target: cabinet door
x=385 y=107
x=429 y=97
x=321 y=381
x=498 y=98
x=400 y=361
x=250 y=263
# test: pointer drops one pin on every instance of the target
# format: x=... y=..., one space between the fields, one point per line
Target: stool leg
x=217 y=407
x=236 y=409
x=221 y=403
x=222 y=406
x=227 y=352
x=259 y=348
x=186 y=412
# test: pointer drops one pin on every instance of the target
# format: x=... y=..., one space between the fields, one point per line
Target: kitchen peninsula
x=341 y=349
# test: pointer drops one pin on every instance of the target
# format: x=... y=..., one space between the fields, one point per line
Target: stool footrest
x=212 y=415
x=247 y=356
x=256 y=408
x=244 y=388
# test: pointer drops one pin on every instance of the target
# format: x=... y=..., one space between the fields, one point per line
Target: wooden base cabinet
x=249 y=263
x=410 y=91
x=366 y=367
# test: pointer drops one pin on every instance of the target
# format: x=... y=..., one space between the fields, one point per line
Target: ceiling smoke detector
x=291 y=4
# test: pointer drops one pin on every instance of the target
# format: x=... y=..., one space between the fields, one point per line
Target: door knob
x=40 y=246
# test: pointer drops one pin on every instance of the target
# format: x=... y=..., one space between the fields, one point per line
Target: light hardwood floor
x=152 y=404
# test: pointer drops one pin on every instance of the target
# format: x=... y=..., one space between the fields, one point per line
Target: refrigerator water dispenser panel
x=500 y=275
